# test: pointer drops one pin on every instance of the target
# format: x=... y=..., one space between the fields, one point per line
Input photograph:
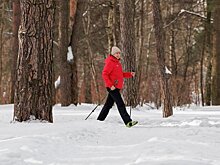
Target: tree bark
x=201 y=70
x=33 y=88
x=1 y=47
x=127 y=12
x=90 y=55
x=16 y=24
x=160 y=46
x=72 y=8
x=87 y=79
x=110 y=27
x=64 y=65
x=216 y=55
x=1 y=52
x=209 y=35
x=140 y=52
x=74 y=43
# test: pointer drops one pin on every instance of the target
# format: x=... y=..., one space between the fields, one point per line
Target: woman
x=113 y=77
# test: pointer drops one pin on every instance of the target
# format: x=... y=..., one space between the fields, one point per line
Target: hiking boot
x=131 y=123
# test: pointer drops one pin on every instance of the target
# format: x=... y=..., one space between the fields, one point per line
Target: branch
x=183 y=11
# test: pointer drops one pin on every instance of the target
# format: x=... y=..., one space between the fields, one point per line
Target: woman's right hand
x=112 y=88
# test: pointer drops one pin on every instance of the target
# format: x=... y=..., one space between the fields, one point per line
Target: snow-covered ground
x=189 y=137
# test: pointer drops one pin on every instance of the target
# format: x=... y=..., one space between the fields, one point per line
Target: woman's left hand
x=133 y=74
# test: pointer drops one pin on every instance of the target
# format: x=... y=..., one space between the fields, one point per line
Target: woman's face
x=117 y=55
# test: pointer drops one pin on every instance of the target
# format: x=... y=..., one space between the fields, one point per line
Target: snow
x=193 y=13
x=181 y=12
x=69 y=54
x=57 y=82
x=167 y=71
x=85 y=13
x=190 y=137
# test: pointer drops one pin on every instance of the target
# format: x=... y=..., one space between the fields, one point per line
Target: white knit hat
x=115 y=50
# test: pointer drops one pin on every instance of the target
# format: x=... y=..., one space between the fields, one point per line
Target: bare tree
x=127 y=11
x=140 y=47
x=216 y=55
x=87 y=78
x=33 y=92
x=1 y=45
x=209 y=50
x=160 y=46
x=74 y=43
x=112 y=20
x=16 y=23
x=65 y=68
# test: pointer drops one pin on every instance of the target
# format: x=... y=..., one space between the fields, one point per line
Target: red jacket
x=113 y=74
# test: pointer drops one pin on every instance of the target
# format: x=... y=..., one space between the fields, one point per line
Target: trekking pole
x=96 y=107
x=130 y=93
x=130 y=102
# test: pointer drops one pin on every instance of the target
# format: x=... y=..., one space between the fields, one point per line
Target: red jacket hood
x=111 y=58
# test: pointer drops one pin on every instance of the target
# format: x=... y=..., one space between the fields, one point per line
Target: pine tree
x=216 y=55
x=16 y=23
x=160 y=46
x=33 y=89
x=127 y=11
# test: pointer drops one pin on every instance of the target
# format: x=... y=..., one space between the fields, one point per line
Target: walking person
x=113 y=77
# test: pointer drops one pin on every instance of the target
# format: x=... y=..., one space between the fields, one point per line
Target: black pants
x=114 y=96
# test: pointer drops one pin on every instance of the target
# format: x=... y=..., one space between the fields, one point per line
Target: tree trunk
x=201 y=66
x=111 y=30
x=127 y=12
x=72 y=8
x=87 y=79
x=64 y=65
x=1 y=53
x=140 y=51
x=73 y=62
x=216 y=55
x=209 y=50
x=110 y=27
x=74 y=43
x=160 y=46
x=90 y=56
x=16 y=24
x=33 y=88
x=1 y=47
